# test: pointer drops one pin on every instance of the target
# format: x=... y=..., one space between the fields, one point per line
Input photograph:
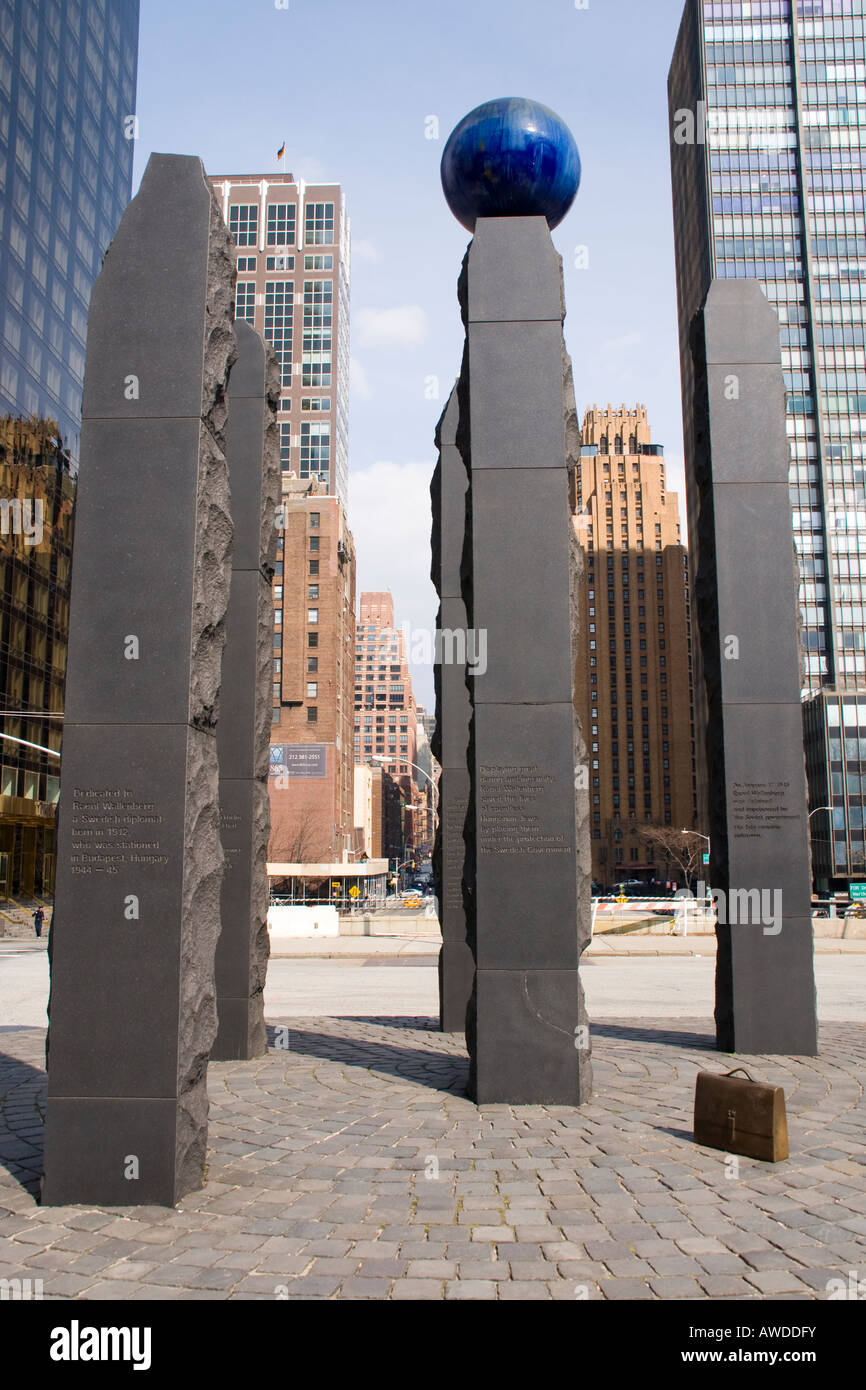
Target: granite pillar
x=745 y=593
x=527 y=875
x=453 y=713
x=139 y=867
x=243 y=732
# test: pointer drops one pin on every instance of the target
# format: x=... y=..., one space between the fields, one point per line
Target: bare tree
x=297 y=838
x=685 y=849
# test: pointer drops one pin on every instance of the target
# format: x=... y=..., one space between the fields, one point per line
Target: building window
x=312 y=714
x=246 y=264
x=312 y=615
x=279 y=318
x=312 y=663
x=285 y=445
x=314 y=567
x=312 y=689
x=314 y=545
x=316 y=403
x=312 y=591
x=316 y=365
x=245 y=300
x=314 y=521
x=244 y=223
x=279 y=263
x=315 y=449
x=318 y=263
x=281 y=224
x=312 y=639
x=319 y=224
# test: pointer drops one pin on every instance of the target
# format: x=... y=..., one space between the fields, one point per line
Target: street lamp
x=696 y=832
x=379 y=758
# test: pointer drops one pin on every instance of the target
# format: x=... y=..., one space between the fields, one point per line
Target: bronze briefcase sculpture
x=741 y=1117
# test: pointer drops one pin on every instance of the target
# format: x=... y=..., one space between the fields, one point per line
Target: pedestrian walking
x=38 y=919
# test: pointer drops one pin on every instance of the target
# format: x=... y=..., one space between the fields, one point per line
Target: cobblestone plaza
x=348 y=1164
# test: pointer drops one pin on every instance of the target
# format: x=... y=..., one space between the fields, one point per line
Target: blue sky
x=350 y=85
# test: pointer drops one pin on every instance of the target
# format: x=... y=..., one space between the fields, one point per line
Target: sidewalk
x=428 y=947
x=605 y=945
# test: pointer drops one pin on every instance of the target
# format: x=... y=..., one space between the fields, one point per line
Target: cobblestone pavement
x=350 y=1165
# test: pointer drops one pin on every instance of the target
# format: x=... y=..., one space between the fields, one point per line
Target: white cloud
x=304 y=166
x=403 y=326
x=628 y=340
x=359 y=381
x=365 y=251
x=389 y=515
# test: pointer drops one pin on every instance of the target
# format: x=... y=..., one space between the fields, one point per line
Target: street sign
x=705 y=857
x=354 y=891
x=335 y=883
x=857 y=892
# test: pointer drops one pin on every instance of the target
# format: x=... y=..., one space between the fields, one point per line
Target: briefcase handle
x=742 y=1069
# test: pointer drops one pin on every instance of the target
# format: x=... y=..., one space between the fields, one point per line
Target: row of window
x=280 y=226
x=247 y=264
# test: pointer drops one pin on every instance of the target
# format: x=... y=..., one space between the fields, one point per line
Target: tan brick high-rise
x=385 y=712
x=633 y=685
x=312 y=753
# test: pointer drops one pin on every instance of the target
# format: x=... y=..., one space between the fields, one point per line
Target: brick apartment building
x=385 y=713
x=633 y=686
x=292 y=250
x=312 y=755
x=379 y=807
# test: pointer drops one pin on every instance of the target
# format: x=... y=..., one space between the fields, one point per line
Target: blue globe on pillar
x=510 y=158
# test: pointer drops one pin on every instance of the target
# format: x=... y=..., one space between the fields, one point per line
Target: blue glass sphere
x=510 y=158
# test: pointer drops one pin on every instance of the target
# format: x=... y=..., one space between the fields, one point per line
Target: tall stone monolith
x=527 y=873
x=132 y=1009
x=453 y=714
x=243 y=732
x=753 y=777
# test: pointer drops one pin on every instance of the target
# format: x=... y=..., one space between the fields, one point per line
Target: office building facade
x=633 y=678
x=767 y=105
x=37 y=496
x=67 y=127
x=293 y=247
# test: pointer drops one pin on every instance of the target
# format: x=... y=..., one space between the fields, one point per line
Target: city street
x=668 y=985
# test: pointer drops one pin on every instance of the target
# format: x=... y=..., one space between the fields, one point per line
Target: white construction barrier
x=319 y=920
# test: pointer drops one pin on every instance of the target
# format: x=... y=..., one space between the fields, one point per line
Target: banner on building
x=298 y=760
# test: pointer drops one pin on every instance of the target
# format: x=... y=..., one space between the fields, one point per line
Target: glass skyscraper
x=67 y=112
x=67 y=122
x=768 y=139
